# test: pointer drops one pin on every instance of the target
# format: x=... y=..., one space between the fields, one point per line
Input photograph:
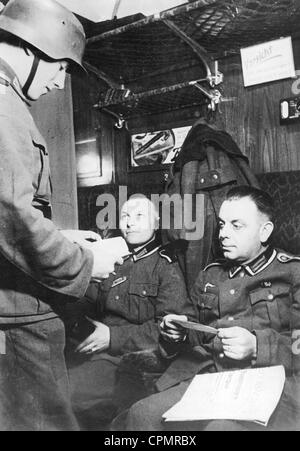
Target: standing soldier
x=39 y=267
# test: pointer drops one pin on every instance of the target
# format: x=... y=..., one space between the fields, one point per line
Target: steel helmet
x=46 y=25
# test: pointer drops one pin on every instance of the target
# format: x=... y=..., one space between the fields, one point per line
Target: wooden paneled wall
x=253 y=119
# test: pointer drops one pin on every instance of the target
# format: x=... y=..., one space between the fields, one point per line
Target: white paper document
x=246 y=395
x=116 y=245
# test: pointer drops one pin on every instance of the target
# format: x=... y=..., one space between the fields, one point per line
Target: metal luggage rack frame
x=131 y=60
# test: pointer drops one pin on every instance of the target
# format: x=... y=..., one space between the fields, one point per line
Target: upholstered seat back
x=285 y=190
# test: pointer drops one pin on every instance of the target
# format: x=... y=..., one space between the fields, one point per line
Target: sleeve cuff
x=87 y=272
x=264 y=357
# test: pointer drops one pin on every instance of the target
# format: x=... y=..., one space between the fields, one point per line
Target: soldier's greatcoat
x=39 y=270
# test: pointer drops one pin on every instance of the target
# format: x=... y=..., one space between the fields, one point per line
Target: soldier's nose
x=223 y=234
x=60 y=80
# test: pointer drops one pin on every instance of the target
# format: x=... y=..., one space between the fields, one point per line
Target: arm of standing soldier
x=80 y=236
x=74 y=313
x=171 y=299
x=28 y=240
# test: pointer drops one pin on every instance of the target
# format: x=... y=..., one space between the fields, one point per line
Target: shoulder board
x=167 y=255
x=282 y=257
x=213 y=265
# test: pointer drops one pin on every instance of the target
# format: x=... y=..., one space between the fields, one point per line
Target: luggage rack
x=151 y=65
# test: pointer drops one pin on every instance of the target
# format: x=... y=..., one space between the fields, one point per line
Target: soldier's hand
x=238 y=343
x=81 y=237
x=104 y=261
x=172 y=332
x=98 y=341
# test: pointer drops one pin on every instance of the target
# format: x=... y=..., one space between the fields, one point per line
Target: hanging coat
x=209 y=165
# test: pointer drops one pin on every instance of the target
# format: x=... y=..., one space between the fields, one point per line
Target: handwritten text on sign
x=268 y=62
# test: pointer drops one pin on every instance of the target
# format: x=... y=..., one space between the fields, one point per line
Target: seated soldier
x=253 y=299
x=126 y=310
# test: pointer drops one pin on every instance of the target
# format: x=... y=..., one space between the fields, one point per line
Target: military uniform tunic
x=39 y=269
x=37 y=264
x=148 y=286
x=262 y=297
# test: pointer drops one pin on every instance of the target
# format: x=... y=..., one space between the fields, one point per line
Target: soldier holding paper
x=252 y=298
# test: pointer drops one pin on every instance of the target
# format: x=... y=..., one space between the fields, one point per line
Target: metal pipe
x=197 y=48
x=111 y=83
x=151 y=19
x=158 y=91
x=116 y=9
x=153 y=92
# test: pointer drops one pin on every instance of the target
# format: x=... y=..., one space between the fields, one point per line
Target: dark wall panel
x=253 y=119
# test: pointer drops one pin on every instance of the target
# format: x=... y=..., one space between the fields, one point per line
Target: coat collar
x=257 y=265
x=146 y=250
x=9 y=78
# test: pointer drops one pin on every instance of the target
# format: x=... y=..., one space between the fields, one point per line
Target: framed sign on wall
x=156 y=149
x=268 y=62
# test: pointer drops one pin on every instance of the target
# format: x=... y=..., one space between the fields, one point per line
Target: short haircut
x=262 y=199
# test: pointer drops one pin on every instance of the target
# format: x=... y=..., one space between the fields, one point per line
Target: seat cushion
x=284 y=187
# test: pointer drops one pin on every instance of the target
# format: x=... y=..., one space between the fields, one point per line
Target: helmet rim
x=26 y=20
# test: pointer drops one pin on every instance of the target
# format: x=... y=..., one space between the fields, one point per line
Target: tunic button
x=232 y=292
x=271 y=297
x=144 y=293
x=242 y=275
x=117 y=298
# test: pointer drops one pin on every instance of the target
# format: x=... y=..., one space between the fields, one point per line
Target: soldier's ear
x=266 y=231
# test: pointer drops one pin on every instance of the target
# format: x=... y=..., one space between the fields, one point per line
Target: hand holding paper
x=195 y=326
x=174 y=328
x=81 y=237
x=170 y=330
x=108 y=253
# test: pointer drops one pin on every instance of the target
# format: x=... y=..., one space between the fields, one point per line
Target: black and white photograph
x=149 y=218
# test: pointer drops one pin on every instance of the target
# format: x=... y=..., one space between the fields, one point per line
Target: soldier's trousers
x=93 y=384
x=34 y=388
x=146 y=415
